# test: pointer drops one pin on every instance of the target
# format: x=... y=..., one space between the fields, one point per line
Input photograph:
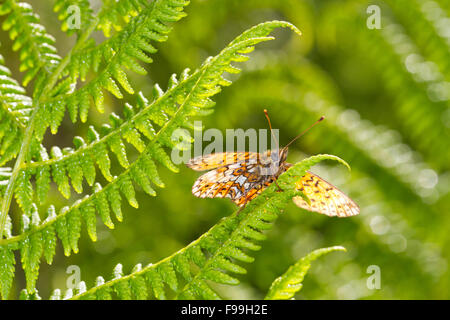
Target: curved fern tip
x=290 y=26
x=296 y=30
x=289 y=283
x=336 y=158
x=338 y=248
x=270 y=26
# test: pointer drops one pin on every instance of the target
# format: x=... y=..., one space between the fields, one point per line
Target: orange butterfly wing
x=324 y=197
x=241 y=181
x=216 y=160
x=252 y=193
x=237 y=177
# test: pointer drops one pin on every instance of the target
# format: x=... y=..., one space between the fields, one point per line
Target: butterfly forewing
x=324 y=197
x=215 y=160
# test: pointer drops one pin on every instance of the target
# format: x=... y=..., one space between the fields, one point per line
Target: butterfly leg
x=279 y=188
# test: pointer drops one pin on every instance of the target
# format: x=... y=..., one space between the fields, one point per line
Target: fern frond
x=123 y=50
x=288 y=284
x=15 y=111
x=31 y=250
x=5 y=174
x=215 y=254
x=7 y=267
x=80 y=162
x=422 y=121
x=418 y=91
x=25 y=295
x=116 y=14
x=7 y=270
x=172 y=110
x=428 y=33
x=67 y=10
x=37 y=54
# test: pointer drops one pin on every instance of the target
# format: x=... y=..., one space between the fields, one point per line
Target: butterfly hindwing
x=324 y=197
x=252 y=193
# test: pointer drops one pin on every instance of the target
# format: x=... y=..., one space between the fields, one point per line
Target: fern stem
x=30 y=128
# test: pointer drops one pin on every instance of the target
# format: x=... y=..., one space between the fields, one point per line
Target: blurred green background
x=385 y=95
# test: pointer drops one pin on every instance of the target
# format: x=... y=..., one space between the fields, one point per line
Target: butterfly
x=241 y=176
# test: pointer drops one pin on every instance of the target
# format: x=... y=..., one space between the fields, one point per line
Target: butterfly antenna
x=271 y=131
x=310 y=127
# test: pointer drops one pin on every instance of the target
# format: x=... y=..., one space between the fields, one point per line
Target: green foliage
x=147 y=125
x=14 y=113
x=108 y=60
x=6 y=270
x=383 y=92
x=288 y=284
x=36 y=51
x=67 y=9
x=377 y=90
x=421 y=99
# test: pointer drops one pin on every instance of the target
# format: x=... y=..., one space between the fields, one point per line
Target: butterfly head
x=284 y=151
x=274 y=162
x=282 y=155
x=278 y=159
